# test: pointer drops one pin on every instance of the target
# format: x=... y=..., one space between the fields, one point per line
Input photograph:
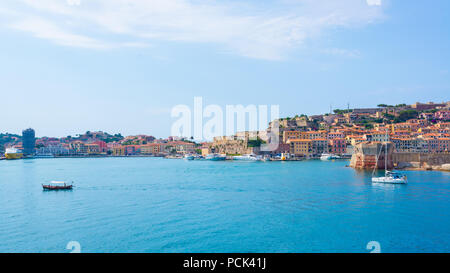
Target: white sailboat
x=390 y=177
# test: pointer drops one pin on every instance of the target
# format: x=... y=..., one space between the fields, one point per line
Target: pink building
x=442 y=115
x=438 y=145
x=103 y=146
x=337 y=146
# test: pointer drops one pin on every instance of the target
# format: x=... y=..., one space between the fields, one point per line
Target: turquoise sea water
x=162 y=205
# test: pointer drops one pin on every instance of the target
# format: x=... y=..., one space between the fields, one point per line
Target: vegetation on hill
x=8 y=138
x=405 y=115
x=255 y=142
x=341 y=112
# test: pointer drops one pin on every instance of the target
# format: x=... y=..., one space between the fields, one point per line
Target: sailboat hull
x=389 y=180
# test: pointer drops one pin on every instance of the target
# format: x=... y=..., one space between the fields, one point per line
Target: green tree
x=405 y=115
x=255 y=142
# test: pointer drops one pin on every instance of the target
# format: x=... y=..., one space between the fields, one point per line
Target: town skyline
x=76 y=132
x=415 y=128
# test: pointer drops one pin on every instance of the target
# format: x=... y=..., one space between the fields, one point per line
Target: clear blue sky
x=68 y=66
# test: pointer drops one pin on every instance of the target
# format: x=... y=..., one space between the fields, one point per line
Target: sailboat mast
x=385 y=152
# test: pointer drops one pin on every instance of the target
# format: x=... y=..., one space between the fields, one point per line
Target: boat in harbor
x=13 y=153
x=390 y=177
x=329 y=157
x=248 y=157
x=215 y=157
x=57 y=185
x=189 y=157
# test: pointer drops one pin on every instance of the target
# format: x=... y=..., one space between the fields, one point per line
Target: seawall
x=422 y=161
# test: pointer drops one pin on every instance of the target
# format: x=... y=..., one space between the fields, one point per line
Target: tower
x=28 y=141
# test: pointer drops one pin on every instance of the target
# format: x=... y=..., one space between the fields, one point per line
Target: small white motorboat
x=248 y=157
x=215 y=157
x=329 y=157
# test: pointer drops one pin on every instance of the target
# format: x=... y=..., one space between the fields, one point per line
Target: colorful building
x=337 y=146
x=300 y=147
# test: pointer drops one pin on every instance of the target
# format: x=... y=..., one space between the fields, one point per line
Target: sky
x=69 y=66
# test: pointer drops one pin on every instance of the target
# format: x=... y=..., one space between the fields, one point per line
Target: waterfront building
x=283 y=148
x=438 y=145
x=118 y=151
x=53 y=149
x=28 y=141
x=337 y=146
x=319 y=146
x=406 y=144
x=206 y=151
x=78 y=147
x=151 y=149
x=102 y=145
x=93 y=149
x=183 y=147
x=300 y=147
x=132 y=149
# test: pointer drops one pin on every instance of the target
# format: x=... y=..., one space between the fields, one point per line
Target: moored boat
x=215 y=157
x=389 y=177
x=189 y=157
x=13 y=153
x=248 y=157
x=57 y=185
x=329 y=157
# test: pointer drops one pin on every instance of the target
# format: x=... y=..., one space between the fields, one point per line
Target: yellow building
x=93 y=149
x=151 y=149
x=118 y=151
x=300 y=147
x=313 y=135
x=291 y=135
x=79 y=147
x=205 y=151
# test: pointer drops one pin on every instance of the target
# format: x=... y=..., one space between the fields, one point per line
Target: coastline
x=410 y=167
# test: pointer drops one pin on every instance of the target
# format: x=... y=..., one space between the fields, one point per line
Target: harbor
x=195 y=206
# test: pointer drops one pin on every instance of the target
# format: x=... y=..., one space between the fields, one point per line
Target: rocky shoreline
x=416 y=166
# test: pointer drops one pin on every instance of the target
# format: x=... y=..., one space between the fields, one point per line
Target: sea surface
x=170 y=205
